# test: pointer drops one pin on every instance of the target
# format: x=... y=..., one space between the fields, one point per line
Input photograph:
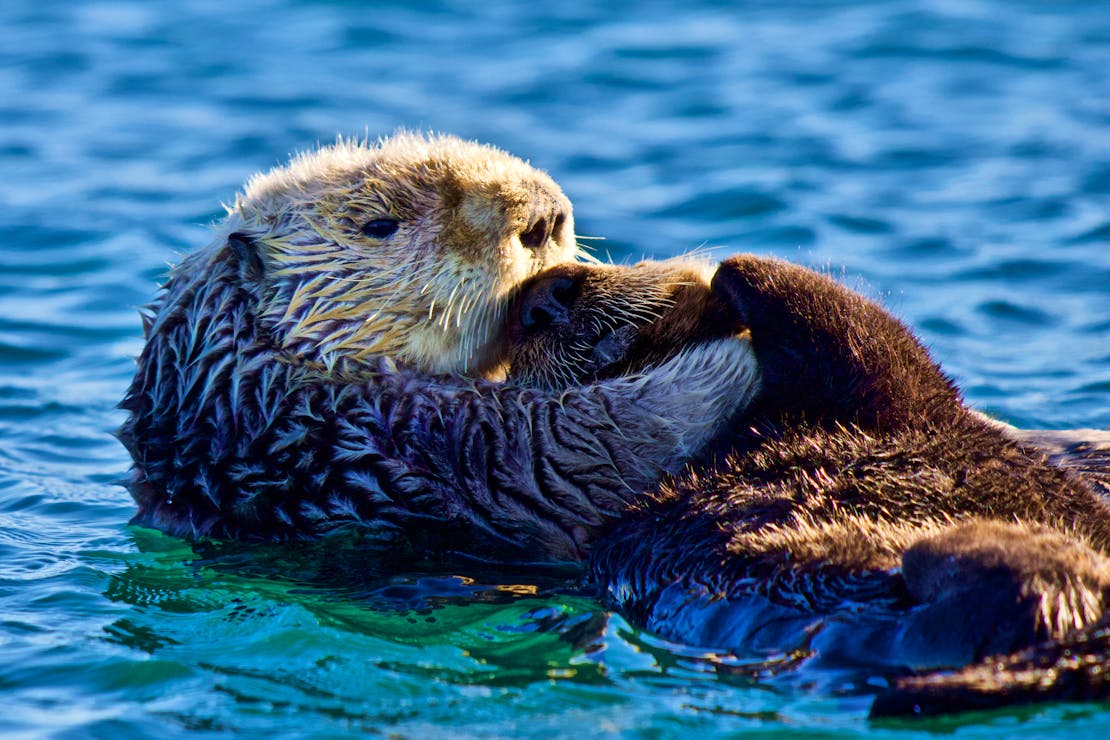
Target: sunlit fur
x=865 y=517
x=288 y=386
x=433 y=293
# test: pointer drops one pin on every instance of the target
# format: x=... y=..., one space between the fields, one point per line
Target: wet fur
x=299 y=378
x=864 y=515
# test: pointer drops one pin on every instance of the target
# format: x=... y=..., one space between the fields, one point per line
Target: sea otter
x=302 y=372
x=858 y=513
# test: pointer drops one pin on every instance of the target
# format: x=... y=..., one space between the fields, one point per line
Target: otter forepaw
x=738 y=282
x=700 y=389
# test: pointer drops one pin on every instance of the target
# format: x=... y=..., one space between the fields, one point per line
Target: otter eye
x=380 y=228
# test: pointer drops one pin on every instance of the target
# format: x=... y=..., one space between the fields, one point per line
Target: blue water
x=950 y=157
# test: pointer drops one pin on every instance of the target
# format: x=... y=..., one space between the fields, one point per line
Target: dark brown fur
x=864 y=514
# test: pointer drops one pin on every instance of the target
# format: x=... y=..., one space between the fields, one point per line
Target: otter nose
x=546 y=302
x=541 y=230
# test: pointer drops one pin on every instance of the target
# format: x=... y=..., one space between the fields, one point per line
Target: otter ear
x=245 y=251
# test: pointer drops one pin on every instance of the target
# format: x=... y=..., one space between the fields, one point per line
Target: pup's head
x=575 y=323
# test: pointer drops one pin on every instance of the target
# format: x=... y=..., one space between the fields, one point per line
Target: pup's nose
x=545 y=301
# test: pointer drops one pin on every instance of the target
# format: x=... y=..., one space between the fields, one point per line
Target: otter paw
x=1012 y=584
x=696 y=392
x=740 y=282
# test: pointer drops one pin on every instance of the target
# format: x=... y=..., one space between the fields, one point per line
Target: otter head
x=576 y=323
x=410 y=248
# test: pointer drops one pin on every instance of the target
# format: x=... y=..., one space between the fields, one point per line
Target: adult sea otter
x=302 y=372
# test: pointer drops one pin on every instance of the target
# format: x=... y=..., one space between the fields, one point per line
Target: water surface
x=951 y=158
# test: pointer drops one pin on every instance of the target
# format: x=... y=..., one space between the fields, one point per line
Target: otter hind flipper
x=990 y=588
x=1075 y=668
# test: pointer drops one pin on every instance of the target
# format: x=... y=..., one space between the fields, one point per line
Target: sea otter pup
x=300 y=373
x=860 y=514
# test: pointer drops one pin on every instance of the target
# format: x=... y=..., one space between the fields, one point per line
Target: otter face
x=409 y=249
x=577 y=323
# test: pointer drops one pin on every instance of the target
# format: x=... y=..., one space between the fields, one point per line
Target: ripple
x=971 y=54
x=861 y=224
x=1097 y=179
x=1018 y=270
x=1098 y=235
x=21 y=350
x=1009 y=311
x=943 y=327
x=726 y=205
